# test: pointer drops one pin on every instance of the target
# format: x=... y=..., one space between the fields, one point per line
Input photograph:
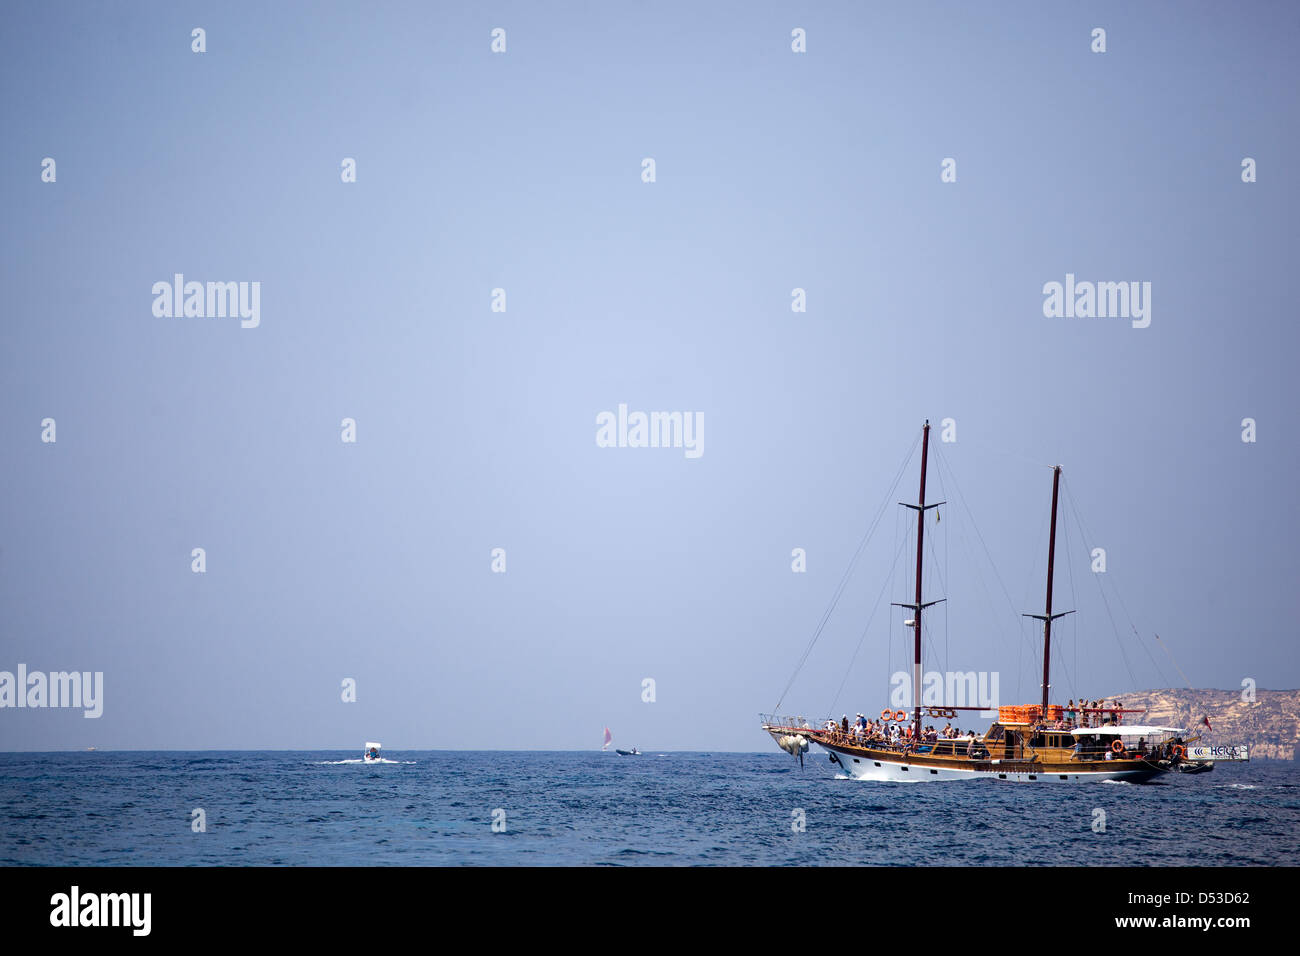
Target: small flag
x=1206 y=722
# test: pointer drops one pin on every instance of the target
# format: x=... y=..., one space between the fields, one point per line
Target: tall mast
x=920 y=538
x=1048 y=617
x=1051 y=561
x=920 y=509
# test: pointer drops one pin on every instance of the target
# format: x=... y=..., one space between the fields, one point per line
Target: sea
x=500 y=808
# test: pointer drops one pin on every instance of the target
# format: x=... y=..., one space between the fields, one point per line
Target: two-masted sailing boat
x=1040 y=742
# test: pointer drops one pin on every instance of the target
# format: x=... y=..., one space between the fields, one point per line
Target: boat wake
x=369 y=755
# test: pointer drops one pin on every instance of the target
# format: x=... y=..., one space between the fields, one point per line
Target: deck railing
x=952 y=747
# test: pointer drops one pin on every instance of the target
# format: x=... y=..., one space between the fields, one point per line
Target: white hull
x=865 y=768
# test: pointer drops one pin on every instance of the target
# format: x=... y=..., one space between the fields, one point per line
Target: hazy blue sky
x=476 y=430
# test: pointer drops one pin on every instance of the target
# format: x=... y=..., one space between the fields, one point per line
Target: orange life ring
x=886 y=714
x=1117 y=746
x=900 y=715
x=1179 y=750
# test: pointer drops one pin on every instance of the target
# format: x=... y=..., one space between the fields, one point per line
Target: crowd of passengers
x=1088 y=713
x=898 y=734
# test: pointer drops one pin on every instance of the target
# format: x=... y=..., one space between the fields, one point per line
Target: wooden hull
x=866 y=763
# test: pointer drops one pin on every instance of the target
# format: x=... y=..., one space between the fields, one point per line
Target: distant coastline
x=1269 y=725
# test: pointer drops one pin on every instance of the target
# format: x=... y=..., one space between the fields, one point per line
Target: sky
x=476 y=429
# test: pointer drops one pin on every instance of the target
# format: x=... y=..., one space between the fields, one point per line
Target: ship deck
x=992 y=756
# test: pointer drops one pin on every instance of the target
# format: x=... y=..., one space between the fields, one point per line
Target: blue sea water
x=436 y=808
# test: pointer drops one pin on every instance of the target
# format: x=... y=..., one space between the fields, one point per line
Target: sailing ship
x=1035 y=743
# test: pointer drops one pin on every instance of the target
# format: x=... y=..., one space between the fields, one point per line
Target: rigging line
x=1020 y=641
x=1005 y=453
x=1119 y=643
x=1119 y=597
x=1036 y=579
x=968 y=551
x=1124 y=607
x=1020 y=645
x=1175 y=663
x=1105 y=603
x=1069 y=567
x=1035 y=641
x=934 y=555
x=957 y=487
x=848 y=573
x=871 y=617
x=947 y=552
x=909 y=536
x=1074 y=508
x=1074 y=603
x=943 y=589
x=928 y=639
x=889 y=630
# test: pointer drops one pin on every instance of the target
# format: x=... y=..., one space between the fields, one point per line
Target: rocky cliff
x=1270 y=724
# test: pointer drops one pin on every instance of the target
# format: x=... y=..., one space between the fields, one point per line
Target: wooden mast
x=919 y=606
x=920 y=539
x=1051 y=561
x=1048 y=617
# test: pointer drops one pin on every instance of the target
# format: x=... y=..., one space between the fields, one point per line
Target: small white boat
x=371 y=754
